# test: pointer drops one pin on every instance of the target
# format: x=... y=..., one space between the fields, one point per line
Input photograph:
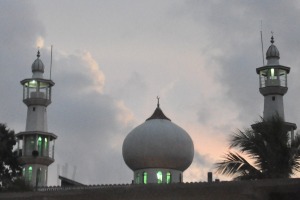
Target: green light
x=168 y=177
x=31 y=84
x=29 y=173
x=40 y=145
x=145 y=177
x=137 y=179
x=272 y=72
x=159 y=177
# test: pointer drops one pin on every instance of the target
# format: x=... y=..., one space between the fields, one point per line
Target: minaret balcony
x=273 y=90
x=42 y=160
x=36 y=146
x=272 y=75
x=37 y=91
x=37 y=101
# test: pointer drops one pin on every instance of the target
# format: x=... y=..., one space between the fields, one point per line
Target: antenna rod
x=262 y=44
x=51 y=62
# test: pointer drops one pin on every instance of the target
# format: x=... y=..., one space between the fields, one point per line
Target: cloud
x=199 y=56
x=40 y=42
x=198 y=170
x=97 y=74
x=90 y=123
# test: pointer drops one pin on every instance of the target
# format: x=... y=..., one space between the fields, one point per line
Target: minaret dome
x=37 y=67
x=272 y=54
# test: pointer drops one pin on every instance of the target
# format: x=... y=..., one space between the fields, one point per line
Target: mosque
x=158 y=151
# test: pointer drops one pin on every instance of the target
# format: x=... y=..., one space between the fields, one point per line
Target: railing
x=264 y=82
x=87 y=187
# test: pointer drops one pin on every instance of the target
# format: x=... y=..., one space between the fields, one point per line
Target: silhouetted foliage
x=9 y=166
x=269 y=147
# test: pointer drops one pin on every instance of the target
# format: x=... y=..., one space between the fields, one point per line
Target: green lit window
x=46 y=147
x=30 y=173
x=40 y=145
x=169 y=177
x=145 y=177
x=272 y=72
x=159 y=177
x=137 y=179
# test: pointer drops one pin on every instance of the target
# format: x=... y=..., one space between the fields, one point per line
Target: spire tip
x=272 y=38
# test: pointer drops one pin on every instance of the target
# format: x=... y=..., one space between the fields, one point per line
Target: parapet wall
x=283 y=189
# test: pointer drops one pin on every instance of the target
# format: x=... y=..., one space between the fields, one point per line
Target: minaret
x=273 y=86
x=36 y=144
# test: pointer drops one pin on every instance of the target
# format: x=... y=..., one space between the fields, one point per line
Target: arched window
x=137 y=179
x=40 y=141
x=180 y=178
x=29 y=145
x=29 y=173
x=159 y=177
x=46 y=175
x=145 y=177
x=23 y=173
x=46 y=147
x=39 y=176
x=169 y=178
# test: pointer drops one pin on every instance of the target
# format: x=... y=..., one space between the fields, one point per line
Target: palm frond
x=235 y=165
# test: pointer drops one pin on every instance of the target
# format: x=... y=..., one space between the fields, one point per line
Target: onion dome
x=37 y=65
x=158 y=143
x=272 y=54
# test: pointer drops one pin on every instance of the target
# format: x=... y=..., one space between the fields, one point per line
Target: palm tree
x=269 y=147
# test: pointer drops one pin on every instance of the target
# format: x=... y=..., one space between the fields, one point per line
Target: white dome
x=38 y=65
x=272 y=54
x=158 y=143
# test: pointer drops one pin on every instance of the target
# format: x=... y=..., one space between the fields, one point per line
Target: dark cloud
x=235 y=29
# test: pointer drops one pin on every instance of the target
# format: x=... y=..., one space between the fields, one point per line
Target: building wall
x=36 y=174
x=276 y=189
x=36 y=118
x=152 y=176
x=273 y=105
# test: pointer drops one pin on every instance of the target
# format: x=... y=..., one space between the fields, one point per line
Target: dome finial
x=158 y=113
x=272 y=38
x=37 y=66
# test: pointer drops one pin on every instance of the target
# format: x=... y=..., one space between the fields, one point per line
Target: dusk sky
x=111 y=59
